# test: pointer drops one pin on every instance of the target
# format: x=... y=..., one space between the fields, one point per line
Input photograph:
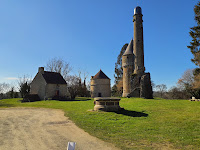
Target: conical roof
x=100 y=75
x=129 y=49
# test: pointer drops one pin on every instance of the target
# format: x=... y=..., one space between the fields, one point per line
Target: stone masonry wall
x=100 y=86
x=128 y=67
x=52 y=88
x=138 y=44
x=38 y=86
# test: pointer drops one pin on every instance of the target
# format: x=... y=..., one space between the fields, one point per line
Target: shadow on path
x=132 y=113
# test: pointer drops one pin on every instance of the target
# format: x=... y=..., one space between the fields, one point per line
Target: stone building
x=128 y=67
x=136 y=83
x=48 y=85
x=100 y=85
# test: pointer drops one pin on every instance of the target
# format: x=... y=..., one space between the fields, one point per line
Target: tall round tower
x=136 y=83
x=128 y=67
x=138 y=41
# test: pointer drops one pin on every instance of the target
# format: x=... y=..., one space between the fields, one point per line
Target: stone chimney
x=41 y=70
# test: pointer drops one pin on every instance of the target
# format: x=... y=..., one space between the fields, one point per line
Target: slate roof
x=100 y=75
x=53 y=78
x=129 y=49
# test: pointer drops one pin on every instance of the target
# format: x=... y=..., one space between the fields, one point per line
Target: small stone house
x=100 y=85
x=49 y=85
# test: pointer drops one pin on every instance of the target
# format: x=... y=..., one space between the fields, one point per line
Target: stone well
x=106 y=104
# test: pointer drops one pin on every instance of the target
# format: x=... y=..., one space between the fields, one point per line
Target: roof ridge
x=53 y=77
x=51 y=72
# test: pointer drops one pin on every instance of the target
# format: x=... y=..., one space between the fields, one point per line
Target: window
x=99 y=94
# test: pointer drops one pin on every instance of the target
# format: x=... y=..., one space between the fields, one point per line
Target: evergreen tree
x=12 y=92
x=116 y=89
x=195 y=34
x=24 y=89
x=16 y=95
x=195 y=49
x=118 y=65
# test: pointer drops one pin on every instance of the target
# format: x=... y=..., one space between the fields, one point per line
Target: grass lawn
x=144 y=124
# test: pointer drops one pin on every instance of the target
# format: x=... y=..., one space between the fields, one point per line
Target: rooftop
x=53 y=78
x=138 y=10
x=100 y=75
x=129 y=49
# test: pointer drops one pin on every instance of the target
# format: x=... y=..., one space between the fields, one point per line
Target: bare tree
x=4 y=87
x=58 y=65
x=153 y=85
x=188 y=83
x=161 y=89
x=177 y=93
x=83 y=74
x=186 y=80
x=73 y=85
x=83 y=87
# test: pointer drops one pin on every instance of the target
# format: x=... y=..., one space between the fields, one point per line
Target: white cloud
x=11 y=78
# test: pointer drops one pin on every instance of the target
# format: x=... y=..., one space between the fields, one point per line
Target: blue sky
x=89 y=35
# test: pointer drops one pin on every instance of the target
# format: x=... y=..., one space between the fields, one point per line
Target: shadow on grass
x=132 y=113
x=76 y=100
x=6 y=105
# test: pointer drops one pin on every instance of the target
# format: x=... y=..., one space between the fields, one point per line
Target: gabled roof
x=129 y=49
x=53 y=78
x=100 y=75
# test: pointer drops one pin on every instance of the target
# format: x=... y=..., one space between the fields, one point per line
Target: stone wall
x=52 y=88
x=145 y=86
x=141 y=86
x=128 y=67
x=138 y=49
x=100 y=86
x=127 y=71
x=38 y=86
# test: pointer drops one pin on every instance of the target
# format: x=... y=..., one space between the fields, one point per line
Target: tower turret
x=136 y=83
x=138 y=41
x=128 y=68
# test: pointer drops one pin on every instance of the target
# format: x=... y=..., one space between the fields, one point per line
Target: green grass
x=144 y=124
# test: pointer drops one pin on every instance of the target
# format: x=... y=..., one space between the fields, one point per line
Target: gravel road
x=43 y=129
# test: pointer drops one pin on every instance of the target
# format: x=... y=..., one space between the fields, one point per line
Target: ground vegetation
x=144 y=124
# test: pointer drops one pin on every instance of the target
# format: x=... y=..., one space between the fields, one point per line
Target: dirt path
x=43 y=129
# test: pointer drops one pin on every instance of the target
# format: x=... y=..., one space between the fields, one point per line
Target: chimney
x=41 y=70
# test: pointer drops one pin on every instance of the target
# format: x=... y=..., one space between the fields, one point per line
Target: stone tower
x=138 y=41
x=100 y=85
x=128 y=68
x=136 y=83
